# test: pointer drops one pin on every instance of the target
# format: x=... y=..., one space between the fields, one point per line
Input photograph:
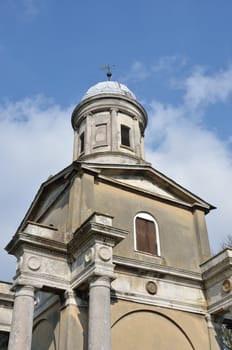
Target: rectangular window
x=82 y=142
x=4 y=339
x=125 y=135
x=146 y=236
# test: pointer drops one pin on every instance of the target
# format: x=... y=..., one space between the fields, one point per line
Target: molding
x=160 y=302
x=221 y=306
x=99 y=154
x=5 y=327
x=97 y=231
x=131 y=188
x=217 y=264
x=156 y=269
x=214 y=271
x=105 y=102
x=147 y=169
x=38 y=236
x=93 y=270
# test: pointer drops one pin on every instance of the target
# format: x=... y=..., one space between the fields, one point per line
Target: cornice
x=147 y=170
x=156 y=269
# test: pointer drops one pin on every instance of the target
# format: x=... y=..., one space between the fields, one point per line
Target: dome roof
x=109 y=87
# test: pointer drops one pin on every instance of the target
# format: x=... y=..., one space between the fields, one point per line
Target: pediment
x=49 y=193
x=150 y=181
x=144 y=184
x=48 y=198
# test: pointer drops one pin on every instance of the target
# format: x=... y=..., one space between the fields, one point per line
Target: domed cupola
x=109 y=125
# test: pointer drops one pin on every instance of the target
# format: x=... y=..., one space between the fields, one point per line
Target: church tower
x=113 y=254
x=109 y=125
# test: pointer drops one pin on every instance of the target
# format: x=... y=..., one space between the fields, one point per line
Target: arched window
x=146 y=234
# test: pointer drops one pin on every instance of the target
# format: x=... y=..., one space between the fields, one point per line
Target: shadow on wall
x=43 y=336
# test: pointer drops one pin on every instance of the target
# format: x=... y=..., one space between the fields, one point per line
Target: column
x=99 y=335
x=22 y=319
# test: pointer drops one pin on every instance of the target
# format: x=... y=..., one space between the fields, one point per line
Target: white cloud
x=137 y=72
x=168 y=63
x=180 y=146
x=35 y=141
x=202 y=89
x=140 y=71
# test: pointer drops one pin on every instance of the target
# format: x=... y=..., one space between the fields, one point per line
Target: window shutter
x=146 y=236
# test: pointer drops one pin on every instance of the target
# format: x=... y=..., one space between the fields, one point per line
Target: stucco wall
x=136 y=326
x=177 y=231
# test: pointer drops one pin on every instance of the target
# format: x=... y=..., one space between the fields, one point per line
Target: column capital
x=115 y=110
x=24 y=290
x=209 y=320
x=70 y=297
x=100 y=281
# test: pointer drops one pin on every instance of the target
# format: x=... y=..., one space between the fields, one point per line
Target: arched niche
x=43 y=336
x=148 y=330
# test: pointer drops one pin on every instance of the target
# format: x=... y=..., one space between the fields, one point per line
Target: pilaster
x=202 y=235
x=71 y=330
x=114 y=130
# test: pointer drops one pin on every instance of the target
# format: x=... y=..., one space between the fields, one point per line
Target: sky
x=176 y=56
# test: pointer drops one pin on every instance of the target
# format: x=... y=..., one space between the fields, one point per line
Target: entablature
x=217 y=277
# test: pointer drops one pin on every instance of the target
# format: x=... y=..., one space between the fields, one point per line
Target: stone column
x=22 y=319
x=99 y=334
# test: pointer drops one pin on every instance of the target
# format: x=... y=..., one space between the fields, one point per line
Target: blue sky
x=176 y=56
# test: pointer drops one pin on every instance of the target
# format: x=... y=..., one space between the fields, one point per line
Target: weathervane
x=108 y=74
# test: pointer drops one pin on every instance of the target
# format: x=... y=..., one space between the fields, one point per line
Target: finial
x=108 y=74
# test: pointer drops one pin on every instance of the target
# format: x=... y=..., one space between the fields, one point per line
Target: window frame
x=128 y=129
x=82 y=142
x=148 y=217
